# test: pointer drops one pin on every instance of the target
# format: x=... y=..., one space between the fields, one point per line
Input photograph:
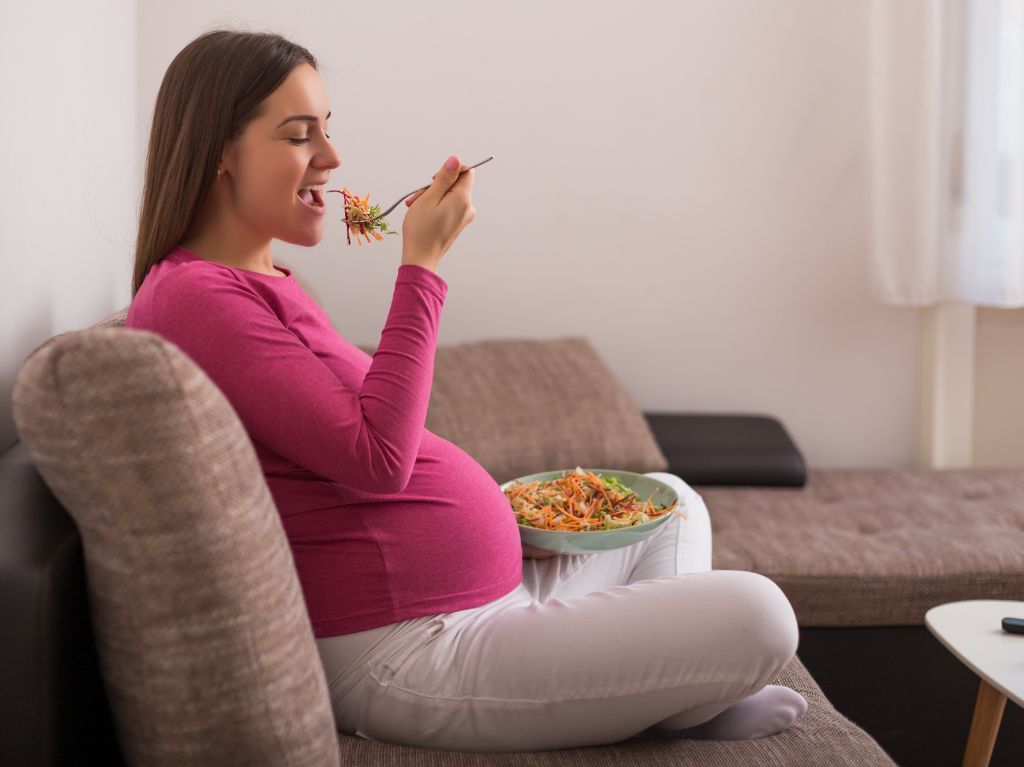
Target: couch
x=130 y=462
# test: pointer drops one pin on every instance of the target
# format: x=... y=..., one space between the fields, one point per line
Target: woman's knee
x=765 y=614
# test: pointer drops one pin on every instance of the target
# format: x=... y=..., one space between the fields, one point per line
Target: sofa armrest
x=728 y=449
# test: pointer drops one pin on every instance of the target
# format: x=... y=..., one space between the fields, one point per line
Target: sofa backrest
x=192 y=591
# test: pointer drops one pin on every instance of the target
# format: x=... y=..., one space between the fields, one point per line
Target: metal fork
x=400 y=199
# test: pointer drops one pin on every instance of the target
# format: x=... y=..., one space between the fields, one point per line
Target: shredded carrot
x=357 y=213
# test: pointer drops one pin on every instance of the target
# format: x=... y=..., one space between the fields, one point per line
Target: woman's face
x=277 y=155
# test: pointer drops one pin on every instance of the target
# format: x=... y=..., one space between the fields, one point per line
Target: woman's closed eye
x=303 y=140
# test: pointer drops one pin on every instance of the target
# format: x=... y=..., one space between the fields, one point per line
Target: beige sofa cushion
x=877 y=547
x=205 y=645
x=520 y=406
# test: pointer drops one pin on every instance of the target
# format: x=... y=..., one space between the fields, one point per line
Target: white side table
x=972 y=631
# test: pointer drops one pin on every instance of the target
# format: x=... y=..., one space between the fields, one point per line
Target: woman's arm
x=289 y=400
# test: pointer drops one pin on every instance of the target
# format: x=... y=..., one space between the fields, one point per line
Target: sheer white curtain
x=947 y=152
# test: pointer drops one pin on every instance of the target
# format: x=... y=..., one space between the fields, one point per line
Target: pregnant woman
x=434 y=625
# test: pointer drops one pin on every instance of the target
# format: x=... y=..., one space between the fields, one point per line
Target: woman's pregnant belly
x=448 y=541
x=453 y=525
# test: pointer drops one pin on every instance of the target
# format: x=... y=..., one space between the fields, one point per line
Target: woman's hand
x=431 y=226
x=532 y=552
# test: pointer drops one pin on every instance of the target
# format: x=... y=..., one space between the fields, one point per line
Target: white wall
x=999 y=388
x=71 y=172
x=684 y=184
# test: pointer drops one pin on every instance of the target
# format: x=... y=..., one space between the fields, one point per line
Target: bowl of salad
x=580 y=511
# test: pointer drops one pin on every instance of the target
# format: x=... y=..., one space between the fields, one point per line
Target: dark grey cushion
x=728 y=449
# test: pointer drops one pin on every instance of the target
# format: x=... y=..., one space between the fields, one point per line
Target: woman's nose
x=333 y=158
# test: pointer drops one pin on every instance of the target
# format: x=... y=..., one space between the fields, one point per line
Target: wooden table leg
x=988 y=714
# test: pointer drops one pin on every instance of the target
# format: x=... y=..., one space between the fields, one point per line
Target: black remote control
x=1013 y=625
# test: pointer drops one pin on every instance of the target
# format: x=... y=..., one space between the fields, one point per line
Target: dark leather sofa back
x=53 y=708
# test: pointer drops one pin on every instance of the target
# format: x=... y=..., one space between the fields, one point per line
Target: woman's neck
x=209 y=249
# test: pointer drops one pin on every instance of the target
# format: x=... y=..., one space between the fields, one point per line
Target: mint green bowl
x=589 y=541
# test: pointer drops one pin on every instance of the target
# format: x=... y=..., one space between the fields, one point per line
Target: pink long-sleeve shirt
x=386 y=520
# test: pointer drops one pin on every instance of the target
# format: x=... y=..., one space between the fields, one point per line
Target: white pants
x=589 y=649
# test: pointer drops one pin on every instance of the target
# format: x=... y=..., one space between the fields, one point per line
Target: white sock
x=771 y=709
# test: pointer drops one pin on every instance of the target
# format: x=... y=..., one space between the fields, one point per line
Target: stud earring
x=219 y=171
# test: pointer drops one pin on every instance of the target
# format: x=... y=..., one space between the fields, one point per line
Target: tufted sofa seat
x=862 y=554
x=878 y=547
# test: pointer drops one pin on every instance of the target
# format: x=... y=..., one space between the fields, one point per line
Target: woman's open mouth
x=312 y=199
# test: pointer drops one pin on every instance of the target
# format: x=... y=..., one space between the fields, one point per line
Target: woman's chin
x=306 y=237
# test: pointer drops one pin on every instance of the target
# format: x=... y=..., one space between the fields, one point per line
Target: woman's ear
x=228 y=158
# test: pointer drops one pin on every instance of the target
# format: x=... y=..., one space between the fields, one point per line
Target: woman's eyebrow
x=310 y=118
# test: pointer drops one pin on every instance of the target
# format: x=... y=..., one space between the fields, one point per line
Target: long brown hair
x=212 y=89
